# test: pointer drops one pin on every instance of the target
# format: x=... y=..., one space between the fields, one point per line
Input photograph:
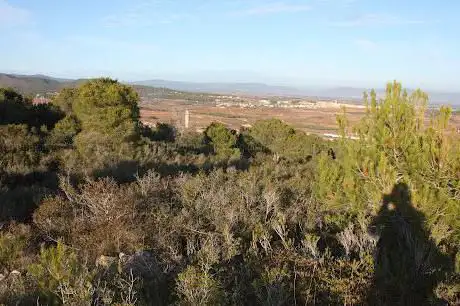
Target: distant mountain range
x=258 y=89
x=33 y=84
x=36 y=84
x=352 y=93
x=42 y=84
x=225 y=88
x=30 y=84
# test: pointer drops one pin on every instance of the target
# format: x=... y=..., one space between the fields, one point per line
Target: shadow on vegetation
x=127 y=171
x=162 y=132
x=21 y=193
x=408 y=264
x=122 y=172
x=249 y=146
x=14 y=109
x=194 y=149
x=173 y=169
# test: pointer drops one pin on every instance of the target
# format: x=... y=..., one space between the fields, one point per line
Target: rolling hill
x=226 y=88
x=27 y=85
x=352 y=93
x=41 y=84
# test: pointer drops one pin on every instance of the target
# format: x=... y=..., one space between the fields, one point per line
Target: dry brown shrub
x=54 y=217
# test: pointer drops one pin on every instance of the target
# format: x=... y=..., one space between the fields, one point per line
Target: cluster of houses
x=294 y=103
x=42 y=99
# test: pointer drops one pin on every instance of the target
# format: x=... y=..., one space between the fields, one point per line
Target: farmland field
x=317 y=121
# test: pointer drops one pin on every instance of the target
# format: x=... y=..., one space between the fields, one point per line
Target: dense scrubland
x=97 y=209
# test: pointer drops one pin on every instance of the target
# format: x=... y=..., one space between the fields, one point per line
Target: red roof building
x=40 y=100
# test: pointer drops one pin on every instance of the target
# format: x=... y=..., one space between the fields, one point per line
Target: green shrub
x=13 y=244
x=64 y=131
x=273 y=287
x=65 y=100
x=222 y=140
x=275 y=136
x=62 y=277
x=195 y=287
x=19 y=149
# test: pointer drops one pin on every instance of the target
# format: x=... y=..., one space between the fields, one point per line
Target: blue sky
x=295 y=42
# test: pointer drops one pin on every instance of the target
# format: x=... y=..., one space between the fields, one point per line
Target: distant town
x=241 y=101
x=222 y=101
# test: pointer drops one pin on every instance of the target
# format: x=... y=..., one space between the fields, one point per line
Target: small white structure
x=331 y=136
x=187 y=119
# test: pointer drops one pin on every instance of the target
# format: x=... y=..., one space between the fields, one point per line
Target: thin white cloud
x=274 y=8
x=144 y=14
x=150 y=13
x=141 y=19
x=338 y=2
x=376 y=20
x=365 y=44
x=127 y=19
x=110 y=44
x=11 y=15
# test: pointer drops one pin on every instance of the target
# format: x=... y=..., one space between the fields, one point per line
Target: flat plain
x=311 y=120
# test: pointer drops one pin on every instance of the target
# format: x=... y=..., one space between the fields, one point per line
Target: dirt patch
x=317 y=121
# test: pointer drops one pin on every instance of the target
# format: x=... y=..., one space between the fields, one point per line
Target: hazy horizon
x=314 y=85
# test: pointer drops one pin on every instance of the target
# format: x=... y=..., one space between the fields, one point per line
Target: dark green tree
x=19 y=149
x=13 y=108
x=64 y=132
x=273 y=135
x=65 y=99
x=222 y=140
x=108 y=107
x=109 y=116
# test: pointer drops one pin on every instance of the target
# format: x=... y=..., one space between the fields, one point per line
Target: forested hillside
x=31 y=85
x=97 y=209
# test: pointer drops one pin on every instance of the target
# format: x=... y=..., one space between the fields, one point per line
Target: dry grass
x=317 y=121
x=310 y=120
